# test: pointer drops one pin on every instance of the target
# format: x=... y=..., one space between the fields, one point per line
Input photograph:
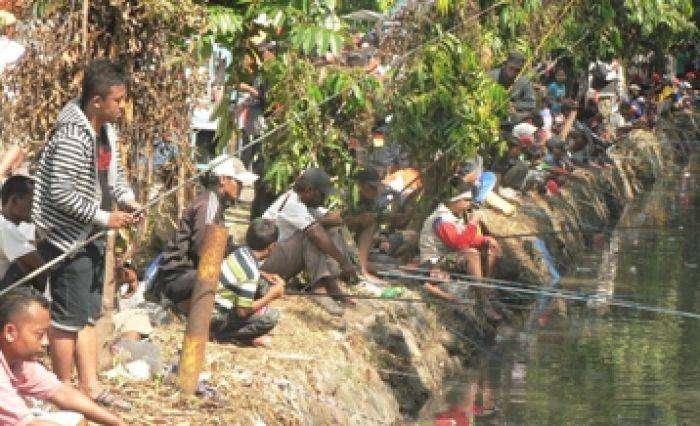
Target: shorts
x=75 y=286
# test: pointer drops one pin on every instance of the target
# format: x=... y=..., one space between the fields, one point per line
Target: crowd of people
x=293 y=237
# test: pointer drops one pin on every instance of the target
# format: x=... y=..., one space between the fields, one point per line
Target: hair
x=537 y=120
x=261 y=234
x=100 y=76
x=18 y=300
x=19 y=186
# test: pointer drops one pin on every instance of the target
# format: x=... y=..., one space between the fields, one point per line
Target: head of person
x=369 y=183
x=626 y=110
x=24 y=322
x=17 y=195
x=560 y=75
x=313 y=187
x=104 y=90
x=514 y=146
x=535 y=154
x=460 y=203
x=555 y=146
x=228 y=176
x=634 y=90
x=262 y=236
x=512 y=66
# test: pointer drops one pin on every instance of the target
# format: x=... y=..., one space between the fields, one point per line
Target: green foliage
x=318 y=131
x=447 y=104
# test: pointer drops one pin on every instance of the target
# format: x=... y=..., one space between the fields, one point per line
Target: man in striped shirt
x=247 y=291
x=78 y=180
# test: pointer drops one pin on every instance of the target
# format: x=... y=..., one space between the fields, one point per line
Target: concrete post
x=201 y=306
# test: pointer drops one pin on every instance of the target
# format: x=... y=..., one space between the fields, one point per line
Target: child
x=247 y=291
x=557 y=90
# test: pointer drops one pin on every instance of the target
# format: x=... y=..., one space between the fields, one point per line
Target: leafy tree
x=447 y=105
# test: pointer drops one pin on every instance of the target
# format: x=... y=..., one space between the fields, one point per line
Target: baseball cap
x=316 y=178
x=233 y=168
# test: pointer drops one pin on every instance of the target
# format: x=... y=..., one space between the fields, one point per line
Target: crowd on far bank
x=558 y=127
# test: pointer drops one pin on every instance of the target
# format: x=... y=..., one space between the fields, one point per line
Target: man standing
x=522 y=94
x=310 y=239
x=24 y=322
x=78 y=179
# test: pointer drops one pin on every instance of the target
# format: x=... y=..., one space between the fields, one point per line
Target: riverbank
x=383 y=361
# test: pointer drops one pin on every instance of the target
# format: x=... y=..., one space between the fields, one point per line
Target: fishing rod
x=593 y=230
x=151 y=203
x=617 y=303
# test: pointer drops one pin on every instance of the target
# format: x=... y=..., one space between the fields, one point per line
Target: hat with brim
x=634 y=87
x=232 y=167
x=466 y=195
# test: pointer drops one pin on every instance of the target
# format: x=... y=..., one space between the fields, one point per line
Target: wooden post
x=201 y=306
x=105 y=325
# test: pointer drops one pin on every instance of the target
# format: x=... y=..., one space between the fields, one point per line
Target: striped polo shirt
x=239 y=278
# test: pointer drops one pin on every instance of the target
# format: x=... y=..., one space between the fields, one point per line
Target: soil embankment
x=383 y=361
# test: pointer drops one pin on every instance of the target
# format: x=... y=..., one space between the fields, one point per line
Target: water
x=604 y=365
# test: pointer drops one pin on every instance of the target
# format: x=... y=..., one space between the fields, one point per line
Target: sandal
x=109 y=400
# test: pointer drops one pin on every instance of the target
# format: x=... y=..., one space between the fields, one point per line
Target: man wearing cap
x=309 y=238
x=448 y=243
x=522 y=94
x=222 y=185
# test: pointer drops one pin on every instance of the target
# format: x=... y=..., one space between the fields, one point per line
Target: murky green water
x=601 y=365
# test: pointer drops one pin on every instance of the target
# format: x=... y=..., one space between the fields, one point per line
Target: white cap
x=466 y=195
x=234 y=168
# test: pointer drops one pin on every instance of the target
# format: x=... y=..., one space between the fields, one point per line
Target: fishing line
x=617 y=303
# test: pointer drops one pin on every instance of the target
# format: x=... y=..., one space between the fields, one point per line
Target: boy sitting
x=247 y=291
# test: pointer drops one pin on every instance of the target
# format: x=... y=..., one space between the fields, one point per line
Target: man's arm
x=331 y=219
x=67 y=398
x=320 y=238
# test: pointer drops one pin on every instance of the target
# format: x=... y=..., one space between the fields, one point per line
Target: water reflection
x=607 y=365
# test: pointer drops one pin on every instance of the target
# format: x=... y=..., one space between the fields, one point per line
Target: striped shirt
x=240 y=277
x=67 y=195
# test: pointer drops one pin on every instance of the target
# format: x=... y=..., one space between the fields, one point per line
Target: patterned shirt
x=240 y=278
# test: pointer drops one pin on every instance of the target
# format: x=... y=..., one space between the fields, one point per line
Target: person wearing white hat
x=222 y=186
x=449 y=243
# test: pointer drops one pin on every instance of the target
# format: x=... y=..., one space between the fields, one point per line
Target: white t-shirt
x=13 y=244
x=291 y=215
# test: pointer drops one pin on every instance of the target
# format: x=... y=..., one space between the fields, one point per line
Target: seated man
x=178 y=269
x=247 y=291
x=18 y=255
x=447 y=243
x=24 y=323
x=310 y=239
